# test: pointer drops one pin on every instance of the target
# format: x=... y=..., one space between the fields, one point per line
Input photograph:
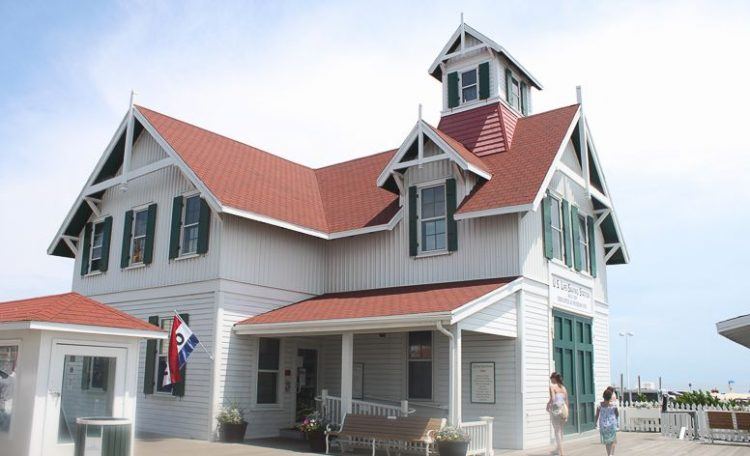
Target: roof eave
x=82 y=329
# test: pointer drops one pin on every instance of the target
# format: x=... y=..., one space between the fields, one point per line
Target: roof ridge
x=355 y=159
x=549 y=111
x=225 y=137
x=38 y=297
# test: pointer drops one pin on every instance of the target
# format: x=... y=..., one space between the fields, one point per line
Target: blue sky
x=665 y=89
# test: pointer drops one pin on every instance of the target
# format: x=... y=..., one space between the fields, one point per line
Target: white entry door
x=84 y=381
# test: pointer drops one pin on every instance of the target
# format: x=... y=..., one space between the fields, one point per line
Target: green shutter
x=174 y=236
x=85 y=372
x=86 y=250
x=484 y=80
x=413 y=221
x=106 y=238
x=566 y=233
x=592 y=245
x=453 y=99
x=178 y=389
x=450 y=205
x=547 y=227
x=148 y=249
x=524 y=98
x=204 y=226
x=508 y=76
x=577 y=260
x=127 y=235
x=150 y=366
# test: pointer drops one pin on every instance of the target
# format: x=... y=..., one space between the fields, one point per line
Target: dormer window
x=432 y=214
x=514 y=95
x=469 y=86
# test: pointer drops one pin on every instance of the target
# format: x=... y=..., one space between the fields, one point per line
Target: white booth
x=63 y=357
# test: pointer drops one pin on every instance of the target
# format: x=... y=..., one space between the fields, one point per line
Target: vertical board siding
x=254 y=252
x=487 y=247
x=146 y=151
x=537 y=363
x=165 y=414
x=237 y=362
x=158 y=187
x=602 y=366
x=502 y=351
x=498 y=318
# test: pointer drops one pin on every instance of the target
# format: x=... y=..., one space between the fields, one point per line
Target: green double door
x=574 y=360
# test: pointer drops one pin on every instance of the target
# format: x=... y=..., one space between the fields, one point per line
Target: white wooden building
x=455 y=272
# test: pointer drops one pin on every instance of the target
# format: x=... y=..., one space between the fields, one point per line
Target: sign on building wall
x=567 y=294
x=483 y=383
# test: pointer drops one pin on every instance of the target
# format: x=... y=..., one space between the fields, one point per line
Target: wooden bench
x=730 y=425
x=402 y=433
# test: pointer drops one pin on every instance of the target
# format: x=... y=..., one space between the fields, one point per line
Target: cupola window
x=469 y=87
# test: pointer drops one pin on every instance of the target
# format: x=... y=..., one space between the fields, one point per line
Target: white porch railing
x=330 y=408
x=480 y=434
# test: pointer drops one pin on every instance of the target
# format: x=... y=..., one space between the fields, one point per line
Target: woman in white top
x=558 y=407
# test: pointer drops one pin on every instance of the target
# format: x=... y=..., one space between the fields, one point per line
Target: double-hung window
x=557 y=228
x=268 y=370
x=583 y=240
x=469 y=85
x=514 y=94
x=190 y=219
x=162 y=357
x=420 y=365
x=138 y=242
x=8 y=384
x=97 y=244
x=433 y=219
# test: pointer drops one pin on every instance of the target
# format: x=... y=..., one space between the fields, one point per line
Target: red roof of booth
x=384 y=302
x=72 y=309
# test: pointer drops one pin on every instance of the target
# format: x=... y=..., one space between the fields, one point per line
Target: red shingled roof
x=69 y=308
x=416 y=299
x=342 y=197
x=518 y=173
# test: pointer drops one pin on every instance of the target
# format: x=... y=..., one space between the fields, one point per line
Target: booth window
x=420 y=365
x=268 y=370
x=8 y=366
x=95 y=373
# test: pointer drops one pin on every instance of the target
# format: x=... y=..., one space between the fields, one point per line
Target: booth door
x=84 y=381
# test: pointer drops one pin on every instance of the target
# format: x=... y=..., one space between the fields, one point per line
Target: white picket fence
x=679 y=421
x=480 y=435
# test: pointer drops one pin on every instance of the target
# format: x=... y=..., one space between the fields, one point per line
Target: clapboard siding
x=488 y=348
x=602 y=372
x=498 y=318
x=159 y=187
x=161 y=413
x=261 y=254
x=537 y=363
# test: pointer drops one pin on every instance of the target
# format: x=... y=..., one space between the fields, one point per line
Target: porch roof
x=384 y=304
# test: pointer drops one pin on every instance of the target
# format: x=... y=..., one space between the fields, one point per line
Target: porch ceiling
x=736 y=329
x=408 y=306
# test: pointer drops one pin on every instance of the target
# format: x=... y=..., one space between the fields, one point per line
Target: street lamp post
x=627 y=335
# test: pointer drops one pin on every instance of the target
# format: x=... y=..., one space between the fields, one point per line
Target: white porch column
x=457 y=360
x=452 y=380
x=347 y=368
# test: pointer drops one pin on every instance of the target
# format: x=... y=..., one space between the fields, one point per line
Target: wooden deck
x=630 y=443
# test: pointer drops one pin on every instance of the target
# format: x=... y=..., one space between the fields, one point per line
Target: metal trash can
x=103 y=436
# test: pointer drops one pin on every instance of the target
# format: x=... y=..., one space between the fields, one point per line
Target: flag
x=182 y=342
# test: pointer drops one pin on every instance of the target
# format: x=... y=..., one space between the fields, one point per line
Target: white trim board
x=83 y=329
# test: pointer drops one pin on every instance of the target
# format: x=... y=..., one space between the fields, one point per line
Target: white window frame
x=515 y=83
x=163 y=346
x=559 y=232
x=461 y=86
x=278 y=371
x=431 y=360
x=18 y=344
x=583 y=240
x=136 y=211
x=185 y=198
x=94 y=224
x=420 y=189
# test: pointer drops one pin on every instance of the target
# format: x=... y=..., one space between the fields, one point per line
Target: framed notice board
x=482 y=383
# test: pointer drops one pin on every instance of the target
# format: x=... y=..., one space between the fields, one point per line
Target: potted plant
x=232 y=424
x=314 y=427
x=452 y=441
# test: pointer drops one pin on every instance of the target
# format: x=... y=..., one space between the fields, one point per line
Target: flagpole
x=199 y=341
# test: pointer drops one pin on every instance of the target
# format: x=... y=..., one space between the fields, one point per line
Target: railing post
x=489 y=451
x=404 y=408
x=324 y=404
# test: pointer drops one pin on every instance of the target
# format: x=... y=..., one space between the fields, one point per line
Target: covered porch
x=450 y=353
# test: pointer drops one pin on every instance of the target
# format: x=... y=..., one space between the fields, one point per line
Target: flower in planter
x=452 y=434
x=313 y=422
x=231 y=414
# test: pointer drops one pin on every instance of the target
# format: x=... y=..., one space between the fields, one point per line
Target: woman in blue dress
x=606 y=419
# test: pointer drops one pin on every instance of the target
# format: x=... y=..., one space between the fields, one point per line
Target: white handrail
x=480 y=436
